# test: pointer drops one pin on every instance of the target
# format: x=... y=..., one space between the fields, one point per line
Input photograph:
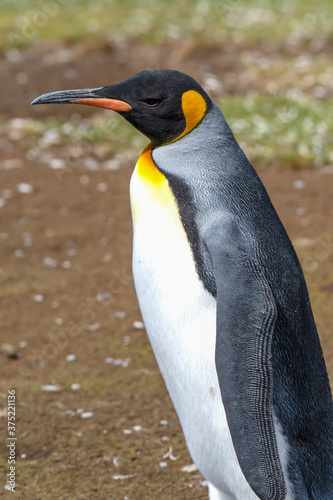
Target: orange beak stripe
x=113 y=104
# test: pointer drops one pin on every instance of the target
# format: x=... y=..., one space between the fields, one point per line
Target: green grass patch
x=158 y=21
x=294 y=132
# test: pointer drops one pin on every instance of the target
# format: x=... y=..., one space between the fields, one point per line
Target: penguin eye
x=151 y=102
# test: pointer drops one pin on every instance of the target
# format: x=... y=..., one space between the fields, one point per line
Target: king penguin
x=223 y=297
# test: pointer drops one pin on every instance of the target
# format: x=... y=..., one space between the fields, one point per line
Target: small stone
x=104 y=241
x=87 y=414
x=75 y=387
x=79 y=411
x=103 y=296
x=127 y=431
x=107 y=257
x=137 y=428
x=120 y=476
x=24 y=187
x=12 y=163
x=118 y=362
x=169 y=454
x=303 y=242
x=102 y=187
x=90 y=163
x=23 y=344
x=49 y=262
x=71 y=357
x=94 y=327
x=164 y=438
x=71 y=413
x=32 y=154
x=23 y=456
x=300 y=211
x=13 y=55
x=299 y=184
x=212 y=83
x=138 y=325
x=50 y=388
x=164 y=422
x=58 y=321
x=51 y=136
x=120 y=314
x=113 y=164
x=66 y=264
x=9 y=350
x=39 y=298
x=57 y=163
x=19 y=253
x=27 y=239
x=163 y=465
x=84 y=179
x=189 y=468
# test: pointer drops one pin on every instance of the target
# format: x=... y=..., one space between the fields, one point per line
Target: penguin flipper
x=246 y=315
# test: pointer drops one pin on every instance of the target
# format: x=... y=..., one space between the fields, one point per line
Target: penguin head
x=164 y=105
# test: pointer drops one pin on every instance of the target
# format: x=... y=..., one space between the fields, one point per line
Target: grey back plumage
x=210 y=177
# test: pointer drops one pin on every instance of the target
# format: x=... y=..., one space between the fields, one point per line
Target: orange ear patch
x=194 y=108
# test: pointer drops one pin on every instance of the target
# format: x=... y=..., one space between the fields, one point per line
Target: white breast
x=180 y=318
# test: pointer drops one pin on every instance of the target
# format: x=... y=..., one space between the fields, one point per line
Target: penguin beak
x=83 y=96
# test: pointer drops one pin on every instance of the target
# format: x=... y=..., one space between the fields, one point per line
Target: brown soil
x=60 y=454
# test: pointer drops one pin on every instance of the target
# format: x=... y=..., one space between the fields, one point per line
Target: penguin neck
x=209 y=150
x=200 y=137
x=211 y=129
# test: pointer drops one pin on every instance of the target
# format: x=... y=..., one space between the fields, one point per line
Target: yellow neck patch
x=194 y=108
x=151 y=195
x=147 y=169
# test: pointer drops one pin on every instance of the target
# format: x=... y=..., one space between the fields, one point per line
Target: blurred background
x=93 y=416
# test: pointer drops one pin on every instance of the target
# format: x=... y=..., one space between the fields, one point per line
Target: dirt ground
x=66 y=289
